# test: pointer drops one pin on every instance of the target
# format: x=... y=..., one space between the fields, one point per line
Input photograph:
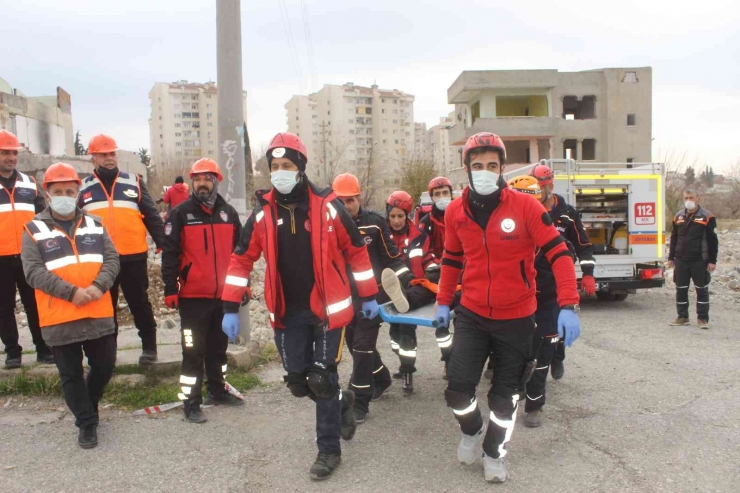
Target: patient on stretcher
x=417 y=294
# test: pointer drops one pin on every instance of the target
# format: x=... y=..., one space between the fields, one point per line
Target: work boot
x=225 y=399
x=359 y=415
x=703 y=324
x=471 y=447
x=408 y=383
x=532 y=419
x=394 y=290
x=88 y=437
x=194 y=414
x=45 y=356
x=325 y=465
x=13 y=361
x=495 y=469
x=349 y=425
x=679 y=321
x=148 y=357
x=557 y=369
x=379 y=391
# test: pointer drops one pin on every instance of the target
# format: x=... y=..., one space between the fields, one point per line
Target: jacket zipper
x=215 y=260
x=488 y=260
x=336 y=267
x=205 y=239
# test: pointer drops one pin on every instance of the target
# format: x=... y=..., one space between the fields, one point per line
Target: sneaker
x=557 y=369
x=12 y=362
x=225 y=399
x=471 y=447
x=495 y=469
x=148 y=357
x=348 y=423
x=45 y=356
x=88 y=437
x=359 y=415
x=394 y=290
x=679 y=321
x=408 y=384
x=379 y=391
x=532 y=419
x=195 y=415
x=703 y=324
x=325 y=465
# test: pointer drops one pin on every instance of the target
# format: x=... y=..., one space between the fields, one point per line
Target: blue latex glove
x=569 y=327
x=230 y=325
x=371 y=309
x=443 y=315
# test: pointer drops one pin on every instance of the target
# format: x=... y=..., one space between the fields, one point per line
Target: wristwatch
x=576 y=308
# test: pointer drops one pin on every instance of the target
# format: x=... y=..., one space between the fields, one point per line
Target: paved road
x=643 y=408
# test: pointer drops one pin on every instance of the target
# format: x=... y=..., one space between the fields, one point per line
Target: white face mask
x=64 y=206
x=690 y=204
x=283 y=180
x=442 y=203
x=485 y=182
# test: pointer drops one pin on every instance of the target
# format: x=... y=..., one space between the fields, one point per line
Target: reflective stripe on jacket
x=16 y=209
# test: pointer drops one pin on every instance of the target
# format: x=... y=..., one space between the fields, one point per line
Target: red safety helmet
x=543 y=173
x=402 y=200
x=290 y=141
x=206 y=165
x=8 y=141
x=438 y=182
x=484 y=139
x=60 y=173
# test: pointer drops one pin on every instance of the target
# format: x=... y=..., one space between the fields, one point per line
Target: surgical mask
x=442 y=203
x=64 y=206
x=485 y=182
x=283 y=180
x=690 y=204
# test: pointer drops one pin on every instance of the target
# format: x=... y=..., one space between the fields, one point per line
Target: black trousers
x=203 y=344
x=306 y=343
x=12 y=277
x=510 y=343
x=544 y=345
x=368 y=370
x=133 y=280
x=82 y=396
x=692 y=270
x=417 y=297
x=403 y=343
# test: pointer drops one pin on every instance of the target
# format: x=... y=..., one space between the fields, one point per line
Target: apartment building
x=367 y=131
x=439 y=148
x=602 y=115
x=183 y=126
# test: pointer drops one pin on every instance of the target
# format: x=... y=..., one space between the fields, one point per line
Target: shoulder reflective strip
x=588 y=262
x=41 y=225
x=237 y=281
x=90 y=228
x=332 y=210
x=22 y=206
x=364 y=276
x=472 y=407
x=416 y=252
x=88 y=183
x=409 y=354
x=339 y=306
x=47 y=235
x=61 y=262
x=129 y=180
x=188 y=380
x=91 y=258
x=26 y=184
x=272 y=317
x=401 y=271
x=125 y=204
x=259 y=216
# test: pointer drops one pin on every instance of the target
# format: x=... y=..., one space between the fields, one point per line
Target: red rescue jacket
x=413 y=249
x=498 y=279
x=433 y=228
x=176 y=195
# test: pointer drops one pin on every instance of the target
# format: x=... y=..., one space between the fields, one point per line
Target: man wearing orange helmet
x=307 y=238
x=495 y=230
x=19 y=201
x=200 y=235
x=567 y=221
x=70 y=261
x=370 y=377
x=128 y=212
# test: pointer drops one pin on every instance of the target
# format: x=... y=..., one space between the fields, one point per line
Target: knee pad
x=297 y=384
x=322 y=384
x=503 y=402
x=459 y=395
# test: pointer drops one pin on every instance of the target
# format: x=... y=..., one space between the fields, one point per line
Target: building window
x=209 y=124
x=631 y=120
x=159 y=100
x=573 y=109
x=630 y=160
x=296 y=117
x=328 y=112
x=178 y=144
x=208 y=96
x=208 y=115
x=589 y=149
x=177 y=115
x=570 y=149
x=382 y=100
x=630 y=77
x=177 y=134
x=351 y=121
x=210 y=142
x=160 y=117
x=177 y=125
x=186 y=115
x=208 y=106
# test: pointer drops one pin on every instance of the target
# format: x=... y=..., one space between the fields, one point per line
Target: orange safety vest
x=119 y=211
x=78 y=262
x=16 y=209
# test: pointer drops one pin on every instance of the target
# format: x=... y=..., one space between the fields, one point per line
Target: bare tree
x=676 y=163
x=162 y=174
x=416 y=177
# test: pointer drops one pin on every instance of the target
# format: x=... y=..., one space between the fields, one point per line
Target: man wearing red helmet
x=200 y=235
x=495 y=230
x=567 y=220
x=307 y=238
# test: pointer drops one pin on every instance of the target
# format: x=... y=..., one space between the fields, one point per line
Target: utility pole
x=231 y=116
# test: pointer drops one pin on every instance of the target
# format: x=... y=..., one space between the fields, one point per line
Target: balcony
x=512 y=126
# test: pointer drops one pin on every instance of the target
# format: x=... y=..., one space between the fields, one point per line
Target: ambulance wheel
x=620 y=296
x=605 y=296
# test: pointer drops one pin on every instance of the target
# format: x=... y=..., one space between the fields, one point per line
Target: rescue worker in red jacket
x=495 y=230
x=307 y=238
x=200 y=235
x=19 y=201
x=176 y=194
x=128 y=212
x=567 y=221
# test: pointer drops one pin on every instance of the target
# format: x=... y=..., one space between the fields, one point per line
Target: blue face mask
x=484 y=182
x=64 y=206
x=283 y=180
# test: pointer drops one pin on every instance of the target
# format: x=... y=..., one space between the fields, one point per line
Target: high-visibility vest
x=16 y=209
x=76 y=261
x=119 y=211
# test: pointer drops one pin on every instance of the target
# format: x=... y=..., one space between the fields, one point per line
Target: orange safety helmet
x=526 y=184
x=206 y=165
x=346 y=185
x=8 y=141
x=101 y=144
x=60 y=173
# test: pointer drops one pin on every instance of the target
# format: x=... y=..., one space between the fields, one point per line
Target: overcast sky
x=108 y=55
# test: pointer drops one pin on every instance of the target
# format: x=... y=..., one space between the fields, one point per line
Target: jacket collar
x=266 y=197
x=46 y=216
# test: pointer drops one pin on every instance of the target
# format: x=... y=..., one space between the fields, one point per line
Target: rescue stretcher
x=423 y=316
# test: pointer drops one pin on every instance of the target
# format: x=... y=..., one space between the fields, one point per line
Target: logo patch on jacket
x=51 y=246
x=168 y=229
x=131 y=193
x=87 y=196
x=224 y=216
x=88 y=241
x=307 y=225
x=508 y=225
x=368 y=240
